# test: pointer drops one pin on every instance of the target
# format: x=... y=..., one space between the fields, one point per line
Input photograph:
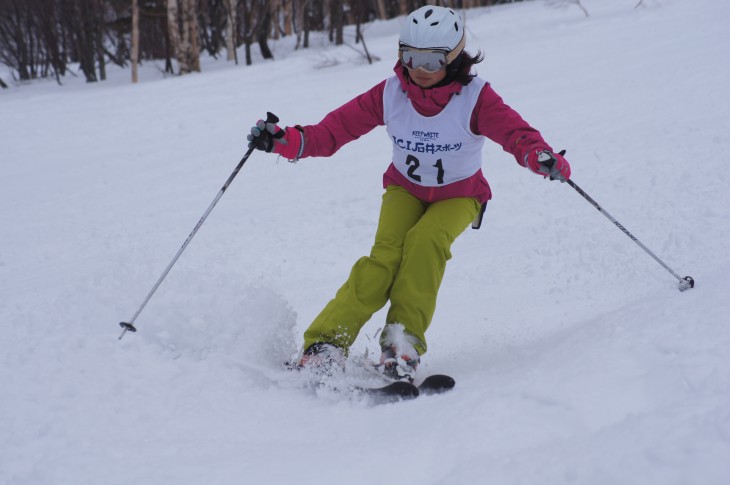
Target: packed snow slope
x=577 y=359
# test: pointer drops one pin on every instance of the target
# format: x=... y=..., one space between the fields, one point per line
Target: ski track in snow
x=576 y=358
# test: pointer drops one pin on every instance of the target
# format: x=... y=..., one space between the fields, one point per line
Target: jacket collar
x=428 y=101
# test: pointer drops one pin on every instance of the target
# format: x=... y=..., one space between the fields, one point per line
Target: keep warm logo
x=425 y=135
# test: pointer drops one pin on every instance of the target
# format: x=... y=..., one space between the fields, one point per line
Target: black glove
x=265 y=134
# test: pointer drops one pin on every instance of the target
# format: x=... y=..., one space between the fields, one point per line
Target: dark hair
x=459 y=70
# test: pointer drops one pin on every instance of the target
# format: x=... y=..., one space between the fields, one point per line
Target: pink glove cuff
x=291 y=145
x=532 y=163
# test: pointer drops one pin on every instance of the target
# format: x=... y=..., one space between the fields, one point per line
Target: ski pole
x=684 y=283
x=129 y=326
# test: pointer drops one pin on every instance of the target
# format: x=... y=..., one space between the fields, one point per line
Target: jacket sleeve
x=501 y=124
x=346 y=123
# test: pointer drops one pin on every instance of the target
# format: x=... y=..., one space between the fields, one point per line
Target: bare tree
x=231 y=28
x=288 y=16
x=182 y=28
x=245 y=31
x=42 y=38
x=213 y=22
x=360 y=14
x=83 y=21
x=135 y=40
x=566 y=3
x=404 y=8
x=190 y=40
x=31 y=40
x=263 y=28
x=382 y=10
x=302 y=18
x=173 y=28
x=337 y=21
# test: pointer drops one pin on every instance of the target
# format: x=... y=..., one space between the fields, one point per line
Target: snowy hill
x=577 y=360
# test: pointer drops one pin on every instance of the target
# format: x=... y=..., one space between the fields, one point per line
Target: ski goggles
x=429 y=60
x=424 y=59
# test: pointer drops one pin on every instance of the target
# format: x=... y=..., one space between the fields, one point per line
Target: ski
x=393 y=392
x=436 y=384
x=404 y=390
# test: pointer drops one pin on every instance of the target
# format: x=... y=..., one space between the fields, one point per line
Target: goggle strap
x=457 y=50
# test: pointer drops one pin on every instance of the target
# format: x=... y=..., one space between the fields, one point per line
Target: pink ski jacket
x=491 y=118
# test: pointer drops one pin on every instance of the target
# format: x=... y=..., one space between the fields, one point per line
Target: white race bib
x=433 y=150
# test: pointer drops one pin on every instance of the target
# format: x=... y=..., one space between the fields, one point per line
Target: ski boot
x=399 y=366
x=399 y=359
x=323 y=360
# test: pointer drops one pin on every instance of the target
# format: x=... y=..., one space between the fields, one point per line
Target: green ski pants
x=406 y=266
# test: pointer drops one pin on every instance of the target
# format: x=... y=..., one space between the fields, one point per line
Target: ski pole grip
x=271 y=118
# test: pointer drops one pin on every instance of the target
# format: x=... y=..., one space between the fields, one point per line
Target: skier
x=437 y=114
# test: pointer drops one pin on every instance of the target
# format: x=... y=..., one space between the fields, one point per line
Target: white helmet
x=432 y=27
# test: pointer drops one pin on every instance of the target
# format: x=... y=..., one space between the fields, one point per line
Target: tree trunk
x=231 y=6
x=189 y=51
x=247 y=29
x=183 y=59
x=288 y=6
x=404 y=7
x=99 y=39
x=382 y=11
x=359 y=11
x=135 y=40
x=262 y=32
x=298 y=18
x=337 y=20
x=86 y=36
x=274 y=7
x=306 y=24
x=192 y=21
x=173 y=31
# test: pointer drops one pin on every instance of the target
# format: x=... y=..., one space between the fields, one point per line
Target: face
x=426 y=79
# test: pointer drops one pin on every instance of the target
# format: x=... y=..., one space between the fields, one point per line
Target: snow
x=577 y=359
